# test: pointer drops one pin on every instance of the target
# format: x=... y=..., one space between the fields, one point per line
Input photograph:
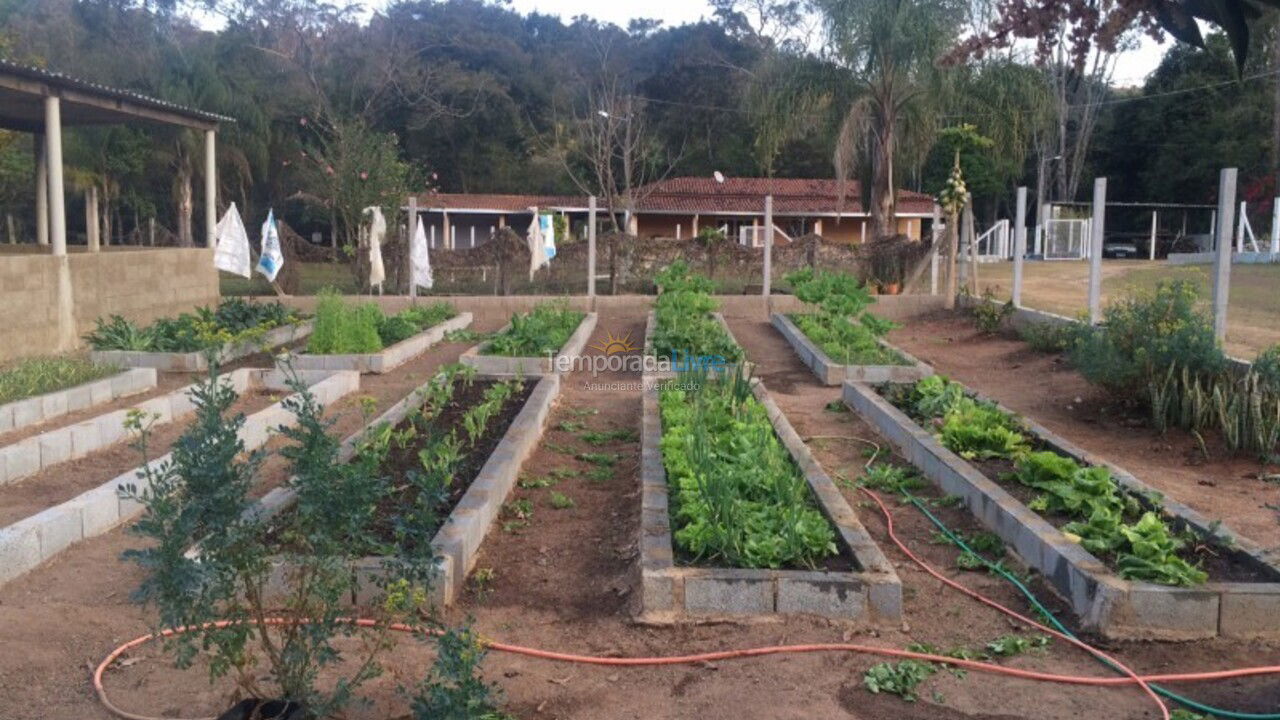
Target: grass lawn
x=1253 y=314
x=315 y=277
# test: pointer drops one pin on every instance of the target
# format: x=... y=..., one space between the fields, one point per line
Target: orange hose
x=1130 y=677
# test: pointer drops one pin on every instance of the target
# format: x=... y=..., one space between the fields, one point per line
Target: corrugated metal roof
x=59 y=79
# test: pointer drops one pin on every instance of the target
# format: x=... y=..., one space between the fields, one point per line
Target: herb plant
x=40 y=375
x=738 y=497
x=540 y=332
x=343 y=328
x=234 y=320
x=840 y=324
x=684 y=326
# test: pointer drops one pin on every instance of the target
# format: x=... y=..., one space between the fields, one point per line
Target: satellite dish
x=719 y=176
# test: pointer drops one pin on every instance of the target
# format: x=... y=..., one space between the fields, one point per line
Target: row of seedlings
x=684 y=331
x=1129 y=562
x=361 y=337
x=234 y=329
x=543 y=341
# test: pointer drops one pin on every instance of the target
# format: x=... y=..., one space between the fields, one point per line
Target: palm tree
x=887 y=50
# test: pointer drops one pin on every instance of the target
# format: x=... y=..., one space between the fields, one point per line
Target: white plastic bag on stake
x=231 y=253
x=420 y=258
x=377 y=231
x=272 y=258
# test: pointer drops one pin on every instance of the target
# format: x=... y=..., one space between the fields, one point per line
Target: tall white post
x=91 y=218
x=1095 y=249
x=57 y=197
x=591 y=246
x=210 y=189
x=1275 y=225
x=1155 y=223
x=1042 y=226
x=1240 y=227
x=768 y=248
x=1019 y=245
x=42 y=190
x=1222 y=252
x=408 y=247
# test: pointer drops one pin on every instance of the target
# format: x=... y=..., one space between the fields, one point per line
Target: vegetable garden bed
x=487 y=360
x=29 y=542
x=1240 y=598
x=386 y=359
x=479 y=477
x=195 y=361
x=830 y=372
x=650 y=328
x=32 y=410
x=840 y=572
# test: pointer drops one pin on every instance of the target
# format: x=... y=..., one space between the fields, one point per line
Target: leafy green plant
x=684 y=327
x=40 y=375
x=600 y=474
x=891 y=478
x=989 y=315
x=596 y=458
x=1010 y=645
x=342 y=328
x=597 y=439
x=900 y=678
x=234 y=320
x=560 y=501
x=737 y=496
x=1153 y=557
x=453 y=689
x=540 y=332
x=980 y=431
x=841 y=324
x=1049 y=337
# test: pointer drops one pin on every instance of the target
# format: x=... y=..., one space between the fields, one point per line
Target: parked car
x=1121 y=249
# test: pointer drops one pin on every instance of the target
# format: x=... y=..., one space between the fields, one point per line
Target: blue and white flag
x=546 y=223
x=272 y=259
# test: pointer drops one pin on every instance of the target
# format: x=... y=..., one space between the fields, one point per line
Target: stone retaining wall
x=830 y=372
x=387 y=359
x=29 y=542
x=1102 y=600
x=29 y=411
x=670 y=593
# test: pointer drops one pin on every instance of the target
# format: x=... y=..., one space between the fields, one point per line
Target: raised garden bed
x=1240 y=599
x=33 y=540
x=32 y=410
x=663 y=368
x=857 y=582
x=486 y=363
x=386 y=359
x=484 y=477
x=196 y=361
x=831 y=372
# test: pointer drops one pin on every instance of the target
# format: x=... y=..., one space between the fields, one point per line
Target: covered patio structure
x=140 y=284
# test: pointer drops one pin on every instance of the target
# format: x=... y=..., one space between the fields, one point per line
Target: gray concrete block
x=79 y=398
x=111 y=428
x=657 y=592
x=55 y=447
x=53 y=405
x=21 y=459
x=100 y=392
x=84 y=438
x=724 y=594
x=6 y=418
x=1248 y=611
x=59 y=526
x=19 y=550
x=835 y=597
x=885 y=598
x=99 y=510
x=27 y=412
x=1168 y=613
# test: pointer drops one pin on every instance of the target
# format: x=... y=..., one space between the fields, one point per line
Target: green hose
x=1053 y=620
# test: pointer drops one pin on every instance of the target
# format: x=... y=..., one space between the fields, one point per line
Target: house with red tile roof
x=681 y=207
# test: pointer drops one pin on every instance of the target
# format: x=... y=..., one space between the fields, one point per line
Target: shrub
x=1143 y=336
x=40 y=375
x=989 y=315
x=1267 y=367
x=841 y=325
x=542 y=331
x=1050 y=337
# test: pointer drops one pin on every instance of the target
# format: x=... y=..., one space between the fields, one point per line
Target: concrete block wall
x=140 y=284
x=29 y=411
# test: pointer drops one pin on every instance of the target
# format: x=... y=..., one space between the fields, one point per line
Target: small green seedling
x=596 y=439
x=600 y=474
x=582 y=412
x=837 y=406
x=901 y=679
x=562 y=449
x=571 y=426
x=601 y=459
x=521 y=509
x=1010 y=645
x=560 y=501
x=536 y=481
x=563 y=473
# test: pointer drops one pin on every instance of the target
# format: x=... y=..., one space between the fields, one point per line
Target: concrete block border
x=502 y=366
x=195 y=361
x=830 y=372
x=29 y=411
x=1103 y=601
x=651 y=327
x=671 y=593
x=387 y=359
x=458 y=540
x=29 y=542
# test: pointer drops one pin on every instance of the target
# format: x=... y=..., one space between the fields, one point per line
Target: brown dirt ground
x=1046 y=388
x=567 y=582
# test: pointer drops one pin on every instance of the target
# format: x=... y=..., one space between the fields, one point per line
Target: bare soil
x=1223 y=486
x=567 y=581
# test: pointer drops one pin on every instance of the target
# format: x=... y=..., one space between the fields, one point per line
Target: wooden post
x=591 y=247
x=1019 y=245
x=42 y=190
x=1095 y=250
x=413 y=228
x=210 y=189
x=1155 y=224
x=1222 y=251
x=768 y=250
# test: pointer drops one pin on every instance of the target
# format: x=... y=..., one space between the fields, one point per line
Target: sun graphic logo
x=612 y=344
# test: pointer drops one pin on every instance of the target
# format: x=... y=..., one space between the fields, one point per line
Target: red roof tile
x=494 y=202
